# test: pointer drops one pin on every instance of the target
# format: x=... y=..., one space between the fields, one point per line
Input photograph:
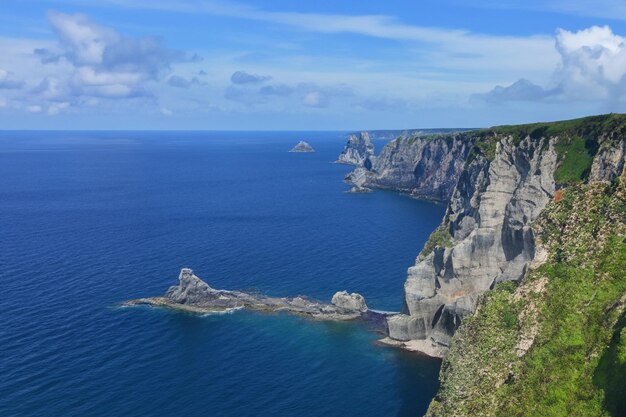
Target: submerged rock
x=302 y=146
x=195 y=295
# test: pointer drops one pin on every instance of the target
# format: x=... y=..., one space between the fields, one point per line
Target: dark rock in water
x=302 y=146
x=194 y=295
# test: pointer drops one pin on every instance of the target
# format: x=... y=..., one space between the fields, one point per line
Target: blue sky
x=331 y=65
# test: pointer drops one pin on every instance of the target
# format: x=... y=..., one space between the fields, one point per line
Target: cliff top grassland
x=576 y=144
x=556 y=344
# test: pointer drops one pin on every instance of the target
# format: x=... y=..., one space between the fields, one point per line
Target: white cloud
x=315 y=99
x=102 y=62
x=166 y=111
x=34 y=108
x=451 y=48
x=8 y=81
x=56 y=108
x=593 y=62
x=592 y=67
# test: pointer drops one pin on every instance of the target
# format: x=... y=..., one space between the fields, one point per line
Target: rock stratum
x=194 y=295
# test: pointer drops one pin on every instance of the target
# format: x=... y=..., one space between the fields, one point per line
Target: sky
x=308 y=65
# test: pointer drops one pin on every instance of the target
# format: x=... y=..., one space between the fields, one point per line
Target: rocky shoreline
x=194 y=295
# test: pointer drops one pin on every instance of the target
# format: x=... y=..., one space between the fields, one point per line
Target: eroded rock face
x=347 y=301
x=358 y=179
x=425 y=167
x=190 y=289
x=302 y=146
x=359 y=151
x=489 y=218
x=610 y=160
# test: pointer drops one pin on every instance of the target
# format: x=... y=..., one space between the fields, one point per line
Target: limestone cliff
x=487 y=236
x=359 y=151
x=426 y=167
x=490 y=238
x=556 y=344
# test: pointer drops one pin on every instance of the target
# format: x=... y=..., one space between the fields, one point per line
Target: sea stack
x=302 y=146
x=359 y=151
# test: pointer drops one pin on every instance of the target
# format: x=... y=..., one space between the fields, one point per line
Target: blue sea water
x=90 y=219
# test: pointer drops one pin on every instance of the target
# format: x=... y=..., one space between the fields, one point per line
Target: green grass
x=587 y=128
x=610 y=375
x=577 y=363
x=439 y=237
x=576 y=156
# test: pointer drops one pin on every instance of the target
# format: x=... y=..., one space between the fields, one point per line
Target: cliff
x=537 y=215
x=556 y=344
x=359 y=151
x=426 y=167
x=511 y=173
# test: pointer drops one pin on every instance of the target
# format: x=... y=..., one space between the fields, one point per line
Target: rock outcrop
x=194 y=295
x=359 y=151
x=487 y=235
x=302 y=146
x=352 y=302
x=426 y=167
x=357 y=179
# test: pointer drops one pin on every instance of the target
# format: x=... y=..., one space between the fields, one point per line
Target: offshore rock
x=353 y=301
x=194 y=295
x=302 y=146
x=359 y=151
x=358 y=178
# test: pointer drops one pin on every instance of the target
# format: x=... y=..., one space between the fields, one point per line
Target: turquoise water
x=90 y=219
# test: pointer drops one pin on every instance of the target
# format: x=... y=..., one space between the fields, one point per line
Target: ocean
x=91 y=219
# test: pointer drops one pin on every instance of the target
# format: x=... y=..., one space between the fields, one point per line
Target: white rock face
x=610 y=161
x=354 y=301
x=425 y=167
x=359 y=151
x=489 y=218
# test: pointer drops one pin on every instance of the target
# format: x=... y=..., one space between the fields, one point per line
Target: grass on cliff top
x=576 y=146
x=577 y=363
x=584 y=127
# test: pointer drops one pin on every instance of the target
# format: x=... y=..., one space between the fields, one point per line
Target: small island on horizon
x=302 y=147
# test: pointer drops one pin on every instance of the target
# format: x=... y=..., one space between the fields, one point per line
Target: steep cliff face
x=490 y=239
x=487 y=236
x=556 y=344
x=359 y=151
x=426 y=167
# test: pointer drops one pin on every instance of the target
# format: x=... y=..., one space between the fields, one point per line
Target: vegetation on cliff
x=439 y=237
x=576 y=141
x=556 y=344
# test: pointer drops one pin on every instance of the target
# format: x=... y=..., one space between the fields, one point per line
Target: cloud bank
x=592 y=67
